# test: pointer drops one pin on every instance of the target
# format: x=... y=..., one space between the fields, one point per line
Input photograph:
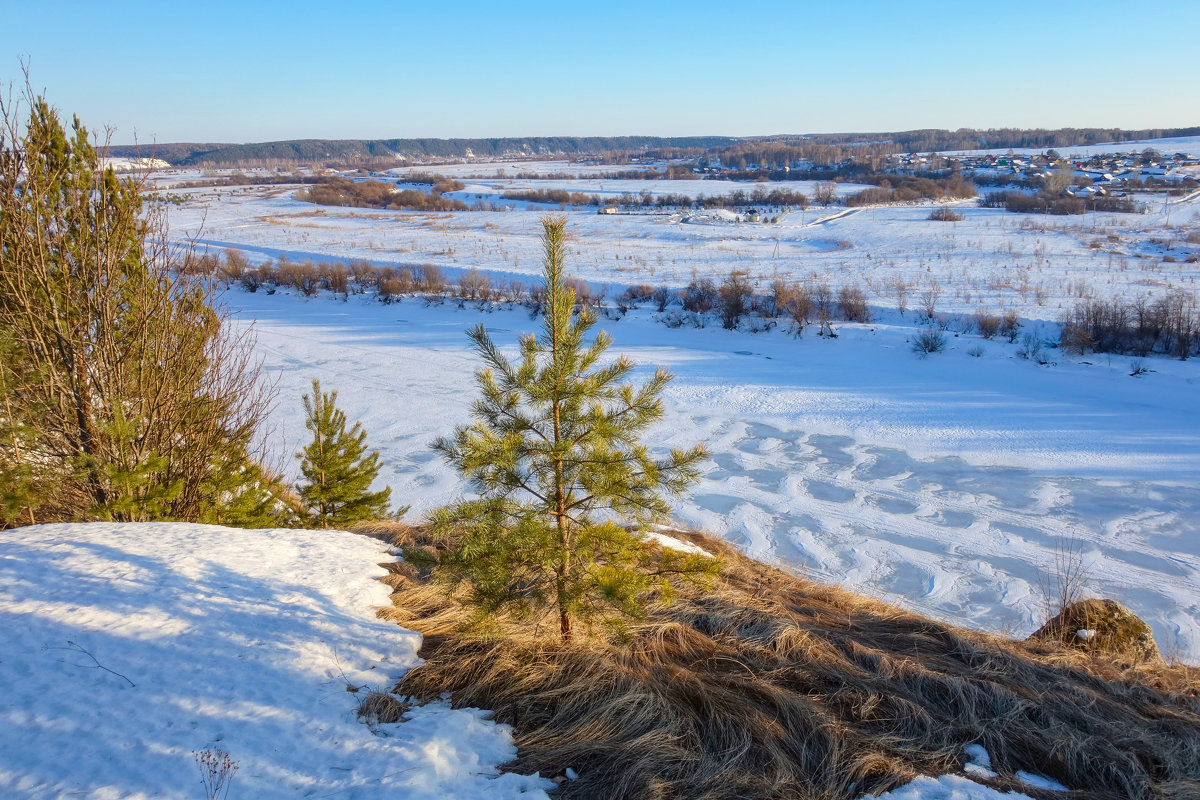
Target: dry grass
x=381 y=708
x=773 y=686
x=386 y=530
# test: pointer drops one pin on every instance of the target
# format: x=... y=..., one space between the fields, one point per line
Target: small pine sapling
x=555 y=459
x=338 y=470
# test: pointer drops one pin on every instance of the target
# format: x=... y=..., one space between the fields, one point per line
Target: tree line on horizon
x=768 y=152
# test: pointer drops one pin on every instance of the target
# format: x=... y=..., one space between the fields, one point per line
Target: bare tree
x=929 y=297
x=825 y=193
x=792 y=299
x=732 y=298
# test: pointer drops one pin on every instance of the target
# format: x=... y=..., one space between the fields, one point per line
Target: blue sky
x=258 y=71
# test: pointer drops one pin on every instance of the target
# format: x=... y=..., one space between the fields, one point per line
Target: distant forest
x=352 y=151
x=735 y=152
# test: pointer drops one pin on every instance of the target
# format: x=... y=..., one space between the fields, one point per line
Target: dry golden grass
x=773 y=686
x=379 y=707
x=387 y=530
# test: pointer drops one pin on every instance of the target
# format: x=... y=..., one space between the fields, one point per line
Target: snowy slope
x=210 y=637
x=944 y=483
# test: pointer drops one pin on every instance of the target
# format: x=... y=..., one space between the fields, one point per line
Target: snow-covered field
x=992 y=260
x=945 y=483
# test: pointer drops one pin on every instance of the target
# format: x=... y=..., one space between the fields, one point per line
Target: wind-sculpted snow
x=944 y=483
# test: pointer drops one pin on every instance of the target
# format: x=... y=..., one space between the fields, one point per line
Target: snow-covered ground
x=126 y=649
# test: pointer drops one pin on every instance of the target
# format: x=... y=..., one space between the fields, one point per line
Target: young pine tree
x=555 y=459
x=338 y=470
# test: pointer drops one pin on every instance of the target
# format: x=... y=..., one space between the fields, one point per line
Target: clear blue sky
x=257 y=71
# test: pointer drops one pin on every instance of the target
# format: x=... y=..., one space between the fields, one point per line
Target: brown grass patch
x=391 y=531
x=773 y=686
x=381 y=708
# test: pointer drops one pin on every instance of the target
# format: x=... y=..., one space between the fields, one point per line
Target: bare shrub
x=853 y=304
x=1169 y=325
x=429 y=279
x=585 y=295
x=929 y=339
x=732 y=298
x=987 y=323
x=405 y=279
x=1065 y=580
x=337 y=278
x=1010 y=326
x=638 y=293
x=929 y=298
x=825 y=193
x=944 y=214
x=474 y=285
x=662 y=297
x=268 y=274
x=511 y=291
x=901 y=289
x=794 y=301
x=1031 y=348
x=823 y=301
x=216 y=772
x=302 y=277
x=251 y=279
x=389 y=290
x=364 y=274
x=699 y=296
x=234 y=266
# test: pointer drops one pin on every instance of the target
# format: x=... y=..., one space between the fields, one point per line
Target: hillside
x=772 y=686
x=135 y=647
x=348 y=150
x=344 y=151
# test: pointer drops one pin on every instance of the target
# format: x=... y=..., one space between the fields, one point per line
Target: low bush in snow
x=929 y=340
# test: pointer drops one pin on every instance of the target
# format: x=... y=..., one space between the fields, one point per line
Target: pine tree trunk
x=564 y=622
x=87 y=436
x=560 y=503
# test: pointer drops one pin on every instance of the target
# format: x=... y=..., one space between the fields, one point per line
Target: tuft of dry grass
x=771 y=686
x=387 y=530
x=381 y=708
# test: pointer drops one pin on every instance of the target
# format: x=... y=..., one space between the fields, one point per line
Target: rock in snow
x=1102 y=626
